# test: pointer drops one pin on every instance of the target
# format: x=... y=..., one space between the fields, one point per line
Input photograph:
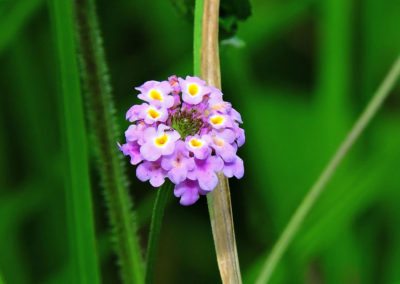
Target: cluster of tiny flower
x=186 y=132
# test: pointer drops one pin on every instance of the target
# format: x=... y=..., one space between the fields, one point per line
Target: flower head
x=186 y=132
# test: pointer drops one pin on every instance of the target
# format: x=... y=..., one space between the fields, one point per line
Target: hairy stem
x=298 y=217
x=104 y=132
x=206 y=63
x=81 y=233
x=155 y=229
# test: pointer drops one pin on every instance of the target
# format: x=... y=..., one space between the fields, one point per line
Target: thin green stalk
x=197 y=34
x=206 y=64
x=104 y=134
x=155 y=227
x=298 y=217
x=81 y=233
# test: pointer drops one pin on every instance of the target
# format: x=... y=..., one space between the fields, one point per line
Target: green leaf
x=82 y=244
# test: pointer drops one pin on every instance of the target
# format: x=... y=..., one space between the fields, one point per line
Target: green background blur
x=299 y=71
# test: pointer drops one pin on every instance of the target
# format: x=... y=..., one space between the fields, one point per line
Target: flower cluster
x=186 y=132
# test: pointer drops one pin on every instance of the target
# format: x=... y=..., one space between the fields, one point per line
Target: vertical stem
x=308 y=202
x=155 y=229
x=79 y=202
x=335 y=76
x=98 y=95
x=219 y=201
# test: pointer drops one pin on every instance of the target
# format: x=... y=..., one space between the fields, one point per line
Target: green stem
x=318 y=187
x=197 y=35
x=155 y=228
x=79 y=201
x=104 y=130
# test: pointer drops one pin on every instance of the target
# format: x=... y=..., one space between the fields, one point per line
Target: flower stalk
x=155 y=229
x=100 y=111
x=206 y=63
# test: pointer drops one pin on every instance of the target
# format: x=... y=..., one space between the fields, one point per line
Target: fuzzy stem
x=81 y=231
x=104 y=130
x=298 y=217
x=206 y=62
x=155 y=228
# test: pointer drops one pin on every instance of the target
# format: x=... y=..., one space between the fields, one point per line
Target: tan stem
x=219 y=201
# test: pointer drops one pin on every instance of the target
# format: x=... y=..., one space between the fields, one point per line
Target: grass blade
x=98 y=95
x=298 y=217
x=155 y=228
x=79 y=202
x=206 y=63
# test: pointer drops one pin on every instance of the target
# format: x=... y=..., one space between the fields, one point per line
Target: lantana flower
x=185 y=132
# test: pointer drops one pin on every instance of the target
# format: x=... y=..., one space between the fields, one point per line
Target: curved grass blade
x=206 y=63
x=308 y=202
x=98 y=95
x=81 y=235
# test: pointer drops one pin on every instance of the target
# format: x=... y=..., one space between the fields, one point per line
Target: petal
x=207 y=180
x=177 y=175
x=188 y=191
x=157 y=178
x=149 y=152
x=143 y=172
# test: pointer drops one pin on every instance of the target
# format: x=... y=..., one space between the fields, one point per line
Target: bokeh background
x=299 y=71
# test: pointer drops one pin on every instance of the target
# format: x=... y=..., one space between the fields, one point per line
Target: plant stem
x=155 y=228
x=318 y=187
x=83 y=251
x=197 y=34
x=206 y=63
x=98 y=95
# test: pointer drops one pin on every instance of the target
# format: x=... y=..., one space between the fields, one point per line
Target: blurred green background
x=299 y=71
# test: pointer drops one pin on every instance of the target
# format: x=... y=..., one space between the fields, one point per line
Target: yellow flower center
x=153 y=113
x=193 y=89
x=160 y=141
x=155 y=95
x=217 y=119
x=196 y=143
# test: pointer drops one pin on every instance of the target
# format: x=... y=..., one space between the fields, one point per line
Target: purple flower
x=234 y=168
x=178 y=164
x=220 y=121
x=151 y=171
x=205 y=172
x=198 y=146
x=156 y=93
x=158 y=142
x=189 y=191
x=193 y=90
x=151 y=114
x=221 y=142
x=132 y=149
x=134 y=113
x=186 y=132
